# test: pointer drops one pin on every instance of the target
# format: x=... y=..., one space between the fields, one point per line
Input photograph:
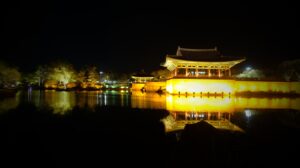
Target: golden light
x=198 y=86
x=198 y=104
x=225 y=87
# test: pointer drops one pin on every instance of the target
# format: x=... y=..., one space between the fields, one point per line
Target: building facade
x=207 y=72
x=200 y=63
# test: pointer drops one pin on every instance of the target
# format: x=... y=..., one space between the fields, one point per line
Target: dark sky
x=125 y=37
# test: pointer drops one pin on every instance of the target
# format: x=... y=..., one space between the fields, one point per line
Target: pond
x=66 y=128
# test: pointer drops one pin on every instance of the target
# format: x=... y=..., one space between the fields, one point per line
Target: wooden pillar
x=186 y=71
x=175 y=72
x=229 y=72
x=209 y=73
x=197 y=74
x=219 y=73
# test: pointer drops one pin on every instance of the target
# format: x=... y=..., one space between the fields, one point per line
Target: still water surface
x=188 y=109
x=62 y=101
x=271 y=126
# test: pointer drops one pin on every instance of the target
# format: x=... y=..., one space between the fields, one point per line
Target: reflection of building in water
x=63 y=101
x=204 y=104
x=217 y=111
x=148 y=100
x=267 y=103
x=211 y=104
x=218 y=104
x=176 y=121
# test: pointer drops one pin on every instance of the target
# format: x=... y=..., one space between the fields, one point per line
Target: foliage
x=38 y=77
x=9 y=75
x=290 y=70
x=62 y=72
x=251 y=73
x=89 y=74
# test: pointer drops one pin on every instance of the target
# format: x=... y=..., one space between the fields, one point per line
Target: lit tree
x=251 y=73
x=40 y=74
x=81 y=76
x=30 y=79
x=89 y=74
x=63 y=73
x=290 y=70
x=9 y=75
x=38 y=77
x=92 y=74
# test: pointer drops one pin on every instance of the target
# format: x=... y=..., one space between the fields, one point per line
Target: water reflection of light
x=9 y=103
x=29 y=93
x=105 y=99
x=60 y=102
x=219 y=104
x=201 y=107
x=169 y=122
x=198 y=104
x=248 y=113
x=148 y=100
x=175 y=121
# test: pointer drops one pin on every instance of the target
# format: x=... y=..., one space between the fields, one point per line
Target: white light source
x=248 y=113
x=248 y=68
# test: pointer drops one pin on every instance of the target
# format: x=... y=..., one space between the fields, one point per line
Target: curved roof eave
x=205 y=62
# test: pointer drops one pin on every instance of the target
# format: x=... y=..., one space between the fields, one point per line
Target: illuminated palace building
x=200 y=63
x=208 y=72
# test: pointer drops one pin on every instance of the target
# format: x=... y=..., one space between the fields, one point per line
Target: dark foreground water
x=96 y=129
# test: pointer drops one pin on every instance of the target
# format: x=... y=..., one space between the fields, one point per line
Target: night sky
x=127 y=37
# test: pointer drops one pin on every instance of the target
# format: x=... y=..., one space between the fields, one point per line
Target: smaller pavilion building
x=140 y=80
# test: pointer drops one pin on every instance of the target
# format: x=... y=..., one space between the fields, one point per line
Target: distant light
x=248 y=68
x=248 y=113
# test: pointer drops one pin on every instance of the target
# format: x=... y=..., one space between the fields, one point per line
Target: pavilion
x=200 y=71
x=200 y=63
x=206 y=72
x=141 y=78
